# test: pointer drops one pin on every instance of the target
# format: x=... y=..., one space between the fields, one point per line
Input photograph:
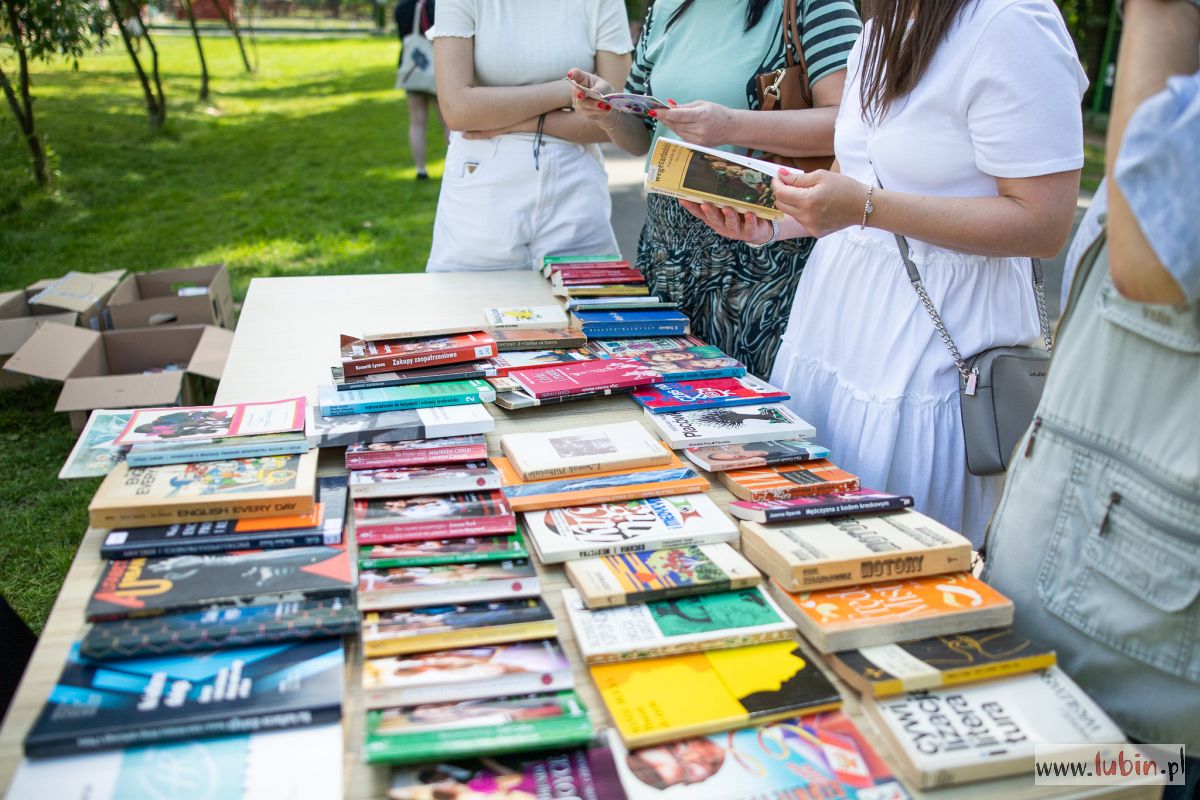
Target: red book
x=590 y=265
x=586 y=376
x=443 y=516
x=567 y=274
x=361 y=357
x=417 y=453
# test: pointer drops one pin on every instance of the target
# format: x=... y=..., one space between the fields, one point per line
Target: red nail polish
x=783 y=173
x=652 y=113
x=579 y=95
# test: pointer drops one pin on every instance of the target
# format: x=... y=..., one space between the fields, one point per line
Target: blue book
x=628 y=318
x=332 y=403
x=270 y=444
x=115 y=704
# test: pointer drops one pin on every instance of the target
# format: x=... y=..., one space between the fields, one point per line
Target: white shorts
x=497 y=211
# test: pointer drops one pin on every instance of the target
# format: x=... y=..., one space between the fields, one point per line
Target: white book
x=472 y=476
x=546 y=318
x=986 y=730
x=576 y=451
x=398 y=426
x=655 y=523
x=713 y=426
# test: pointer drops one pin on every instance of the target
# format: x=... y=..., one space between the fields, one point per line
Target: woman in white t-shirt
x=524 y=176
x=960 y=129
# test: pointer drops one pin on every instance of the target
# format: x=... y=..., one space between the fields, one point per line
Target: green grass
x=299 y=170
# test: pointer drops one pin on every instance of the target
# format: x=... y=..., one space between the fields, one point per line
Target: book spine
x=511 y=684
x=468 y=398
x=547 y=734
x=905 y=566
x=666 y=405
x=836 y=510
x=136 y=516
x=411 y=378
x=170 y=606
x=794 y=491
x=595 y=466
x=658 y=651
x=477 y=483
x=190 y=547
x=544 y=344
x=479 y=592
x=703 y=374
x=169 y=642
x=595 y=496
x=465 y=637
x=366 y=366
x=548 y=394
x=376 y=459
x=388 y=533
x=671 y=592
x=159 y=458
x=626 y=332
x=635 y=547
x=436 y=560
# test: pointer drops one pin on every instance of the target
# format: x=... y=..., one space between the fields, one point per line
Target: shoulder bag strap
x=418 y=13
x=793 y=46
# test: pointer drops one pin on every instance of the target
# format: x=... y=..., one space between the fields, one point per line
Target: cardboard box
x=154 y=298
x=123 y=369
x=83 y=293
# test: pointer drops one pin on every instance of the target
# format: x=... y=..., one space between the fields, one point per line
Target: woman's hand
x=701 y=122
x=597 y=111
x=822 y=201
x=729 y=223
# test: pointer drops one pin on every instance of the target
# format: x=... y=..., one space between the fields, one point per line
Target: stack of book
x=588 y=276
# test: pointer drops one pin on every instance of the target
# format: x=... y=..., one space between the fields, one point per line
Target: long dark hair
x=896 y=54
x=754 y=12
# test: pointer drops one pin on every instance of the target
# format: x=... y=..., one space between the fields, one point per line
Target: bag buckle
x=773 y=89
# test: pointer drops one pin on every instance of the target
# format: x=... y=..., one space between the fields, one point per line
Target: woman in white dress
x=961 y=130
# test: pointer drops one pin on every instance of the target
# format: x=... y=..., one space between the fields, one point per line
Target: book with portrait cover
x=463 y=371
x=632 y=323
x=509 y=340
x=417 y=452
x=713 y=426
x=712 y=393
x=651 y=575
x=471 y=476
x=589 y=490
x=333 y=403
x=441 y=627
x=704 y=175
x=510 y=362
x=399 y=426
x=441 y=584
x=586 y=376
x=666 y=699
x=584 y=773
x=271 y=486
x=466 y=673
x=857 y=502
x=360 y=357
x=205 y=423
x=99 y=705
x=563 y=534
x=525 y=317
x=431 y=552
x=788 y=481
x=747 y=455
x=675 y=358
x=684 y=625
x=537 y=455
x=438 y=516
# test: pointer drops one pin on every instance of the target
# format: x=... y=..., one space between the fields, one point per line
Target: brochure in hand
x=704 y=175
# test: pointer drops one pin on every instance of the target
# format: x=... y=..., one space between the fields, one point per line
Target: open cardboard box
x=123 y=369
x=153 y=298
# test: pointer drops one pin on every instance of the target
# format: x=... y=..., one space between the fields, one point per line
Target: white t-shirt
x=521 y=42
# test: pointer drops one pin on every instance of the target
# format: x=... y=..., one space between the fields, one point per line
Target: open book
x=637 y=104
x=704 y=175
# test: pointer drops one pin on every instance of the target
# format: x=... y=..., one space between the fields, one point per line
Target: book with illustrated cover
x=640 y=105
x=526 y=317
x=204 y=423
x=149 y=586
x=651 y=575
x=897 y=611
x=271 y=486
x=440 y=731
x=510 y=362
x=466 y=673
x=517 y=399
x=416 y=453
x=219 y=627
x=441 y=584
x=192 y=450
x=438 y=516
x=361 y=357
x=471 y=476
x=99 y=705
x=747 y=455
x=943 y=737
x=537 y=339
x=712 y=393
x=585 y=773
x=442 y=627
x=96 y=451
x=399 y=426
x=713 y=426
x=463 y=371
x=666 y=699
x=333 y=403
x=788 y=481
x=431 y=552
x=587 y=490
x=891 y=669
x=668 y=627
x=845 y=551
x=686 y=362
x=704 y=175
x=587 y=376
x=632 y=323
x=581 y=450
x=858 y=502
x=652 y=523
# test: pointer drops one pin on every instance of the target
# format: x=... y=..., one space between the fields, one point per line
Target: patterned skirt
x=738 y=298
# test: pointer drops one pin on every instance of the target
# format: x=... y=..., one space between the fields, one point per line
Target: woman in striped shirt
x=704 y=56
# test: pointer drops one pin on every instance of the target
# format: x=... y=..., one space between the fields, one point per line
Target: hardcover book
x=535 y=317
x=591 y=490
x=445 y=516
x=788 y=481
x=399 y=426
x=148 y=586
x=246 y=487
x=580 y=450
x=635 y=322
x=713 y=426
x=510 y=362
x=219 y=627
x=858 y=502
x=956 y=735
x=844 y=551
x=409 y=481
x=464 y=371
x=562 y=534
x=587 y=774
x=204 y=423
x=897 y=611
x=651 y=575
x=713 y=393
x=443 y=627
x=431 y=552
x=115 y=704
x=360 y=357
x=440 y=731
x=411 y=587
x=96 y=451
x=587 y=376
x=333 y=403
x=686 y=362
x=666 y=699
x=537 y=339
x=193 y=450
x=891 y=669
x=746 y=455
x=667 y=627
x=704 y=175
x=416 y=453
x=466 y=673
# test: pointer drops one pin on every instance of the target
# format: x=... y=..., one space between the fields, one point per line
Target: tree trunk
x=231 y=21
x=156 y=122
x=191 y=15
x=152 y=101
x=20 y=100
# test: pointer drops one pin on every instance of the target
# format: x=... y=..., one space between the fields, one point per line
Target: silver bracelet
x=774 y=236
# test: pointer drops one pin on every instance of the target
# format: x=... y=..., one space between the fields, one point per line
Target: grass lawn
x=299 y=170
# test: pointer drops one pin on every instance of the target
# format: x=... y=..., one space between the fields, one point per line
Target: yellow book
x=704 y=175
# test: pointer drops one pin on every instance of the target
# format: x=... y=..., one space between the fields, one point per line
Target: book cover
x=464 y=371
x=651 y=575
x=683 y=625
x=703 y=175
x=575 y=451
x=148 y=586
x=441 y=584
x=399 y=426
x=271 y=486
x=466 y=673
x=96 y=451
x=713 y=426
x=219 y=627
x=431 y=552
x=440 y=731
x=695 y=362
x=562 y=534
x=747 y=455
x=666 y=699
x=587 y=376
x=535 y=317
x=115 y=704
x=435 y=479
x=537 y=339
x=360 y=357
x=186 y=452
x=788 y=481
x=442 y=627
x=586 y=774
x=321 y=526
x=986 y=730
x=417 y=452
x=895 y=611
x=891 y=669
x=816 y=756
x=694 y=395
x=446 y=516
x=510 y=362
x=588 y=490
x=203 y=423
x=333 y=403
x=858 y=502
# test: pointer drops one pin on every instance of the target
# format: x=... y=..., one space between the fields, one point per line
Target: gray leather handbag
x=999 y=388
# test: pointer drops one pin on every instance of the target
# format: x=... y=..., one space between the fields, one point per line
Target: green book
x=433 y=552
x=332 y=403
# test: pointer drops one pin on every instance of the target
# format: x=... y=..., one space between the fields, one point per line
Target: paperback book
x=442 y=627
x=712 y=393
x=704 y=175
x=204 y=423
x=684 y=361
x=602 y=289
x=788 y=481
x=333 y=403
x=409 y=481
x=858 y=502
x=668 y=627
x=694 y=694
x=510 y=362
x=399 y=426
x=585 y=773
x=684 y=429
x=581 y=450
x=360 y=357
x=417 y=332
x=748 y=455
x=416 y=453
x=444 y=516
x=590 y=490
x=640 y=105
x=525 y=317
x=96 y=451
x=549 y=262
x=514 y=400
x=550 y=268
x=466 y=673
x=631 y=323
x=651 y=575
x=652 y=523
x=432 y=552
x=442 y=584
x=587 y=376
x=537 y=339
x=651 y=303
x=463 y=371
x=193 y=450
x=592 y=277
